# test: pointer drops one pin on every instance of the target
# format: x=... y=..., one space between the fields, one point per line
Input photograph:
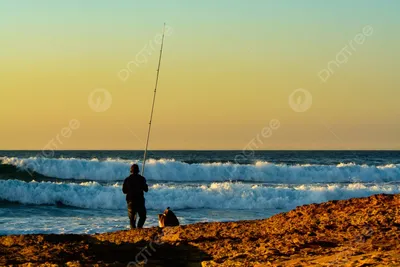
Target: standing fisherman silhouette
x=135 y=184
x=133 y=187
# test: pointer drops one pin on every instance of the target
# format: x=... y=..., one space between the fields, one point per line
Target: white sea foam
x=171 y=170
x=92 y=195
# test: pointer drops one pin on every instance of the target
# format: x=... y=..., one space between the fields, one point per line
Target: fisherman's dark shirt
x=133 y=187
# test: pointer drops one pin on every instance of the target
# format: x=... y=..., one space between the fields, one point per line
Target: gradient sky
x=228 y=69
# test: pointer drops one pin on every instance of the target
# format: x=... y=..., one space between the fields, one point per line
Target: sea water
x=80 y=191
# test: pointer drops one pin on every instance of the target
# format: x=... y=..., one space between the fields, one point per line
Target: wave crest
x=92 y=195
x=171 y=170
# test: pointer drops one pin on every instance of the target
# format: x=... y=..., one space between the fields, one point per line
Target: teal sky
x=320 y=23
x=197 y=14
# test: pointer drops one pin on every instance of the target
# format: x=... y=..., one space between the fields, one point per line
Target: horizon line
x=260 y=150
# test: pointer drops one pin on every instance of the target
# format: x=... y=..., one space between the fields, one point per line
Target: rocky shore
x=355 y=232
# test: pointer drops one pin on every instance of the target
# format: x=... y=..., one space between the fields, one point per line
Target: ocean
x=80 y=191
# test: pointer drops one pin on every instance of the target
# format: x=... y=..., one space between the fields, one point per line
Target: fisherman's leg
x=142 y=215
x=132 y=215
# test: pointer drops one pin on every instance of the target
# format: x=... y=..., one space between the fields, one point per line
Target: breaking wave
x=176 y=171
x=226 y=195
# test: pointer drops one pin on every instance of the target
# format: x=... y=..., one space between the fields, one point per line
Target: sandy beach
x=355 y=232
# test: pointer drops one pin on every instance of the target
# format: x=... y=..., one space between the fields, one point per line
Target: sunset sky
x=228 y=69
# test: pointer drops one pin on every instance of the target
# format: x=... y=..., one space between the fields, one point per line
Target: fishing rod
x=154 y=101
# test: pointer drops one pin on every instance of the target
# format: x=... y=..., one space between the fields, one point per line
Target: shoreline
x=353 y=232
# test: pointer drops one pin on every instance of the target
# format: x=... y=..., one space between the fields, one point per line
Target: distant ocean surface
x=80 y=191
